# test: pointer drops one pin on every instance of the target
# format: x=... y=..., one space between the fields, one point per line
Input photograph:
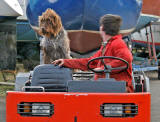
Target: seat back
x=52 y=78
x=99 y=86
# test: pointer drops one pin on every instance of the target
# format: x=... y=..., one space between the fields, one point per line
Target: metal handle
x=33 y=87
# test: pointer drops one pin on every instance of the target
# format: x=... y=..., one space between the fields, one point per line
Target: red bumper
x=77 y=107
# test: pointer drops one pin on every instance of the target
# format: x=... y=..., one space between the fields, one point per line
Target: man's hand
x=98 y=68
x=58 y=62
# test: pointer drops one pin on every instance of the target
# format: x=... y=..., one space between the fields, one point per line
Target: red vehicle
x=55 y=96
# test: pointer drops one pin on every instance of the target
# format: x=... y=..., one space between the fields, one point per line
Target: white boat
x=10 y=8
x=149 y=34
x=149 y=23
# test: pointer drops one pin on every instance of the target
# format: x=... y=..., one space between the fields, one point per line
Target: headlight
x=35 y=109
x=113 y=110
x=41 y=109
x=118 y=110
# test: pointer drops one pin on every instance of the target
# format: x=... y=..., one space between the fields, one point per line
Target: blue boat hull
x=85 y=14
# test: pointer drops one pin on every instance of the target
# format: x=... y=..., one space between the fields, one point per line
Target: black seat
x=52 y=78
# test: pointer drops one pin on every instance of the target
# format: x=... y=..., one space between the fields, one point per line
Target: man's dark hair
x=111 y=24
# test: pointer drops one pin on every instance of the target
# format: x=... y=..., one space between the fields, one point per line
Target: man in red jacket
x=113 y=45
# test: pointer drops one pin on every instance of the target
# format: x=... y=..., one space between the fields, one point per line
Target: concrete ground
x=155 y=102
x=2 y=109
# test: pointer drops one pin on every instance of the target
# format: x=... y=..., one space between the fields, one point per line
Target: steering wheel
x=107 y=68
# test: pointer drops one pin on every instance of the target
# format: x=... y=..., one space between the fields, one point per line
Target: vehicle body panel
x=77 y=107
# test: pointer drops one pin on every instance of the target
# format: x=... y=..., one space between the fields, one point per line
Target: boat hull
x=10 y=8
x=85 y=14
x=140 y=37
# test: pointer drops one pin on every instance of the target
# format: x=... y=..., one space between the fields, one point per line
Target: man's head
x=110 y=24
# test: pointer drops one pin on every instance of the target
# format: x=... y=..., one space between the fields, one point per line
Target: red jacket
x=115 y=47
